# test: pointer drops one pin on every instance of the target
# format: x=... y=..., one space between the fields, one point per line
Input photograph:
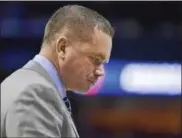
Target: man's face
x=84 y=62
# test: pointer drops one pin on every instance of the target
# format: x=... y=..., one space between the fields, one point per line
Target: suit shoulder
x=24 y=78
x=25 y=82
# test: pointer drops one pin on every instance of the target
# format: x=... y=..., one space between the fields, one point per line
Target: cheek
x=84 y=68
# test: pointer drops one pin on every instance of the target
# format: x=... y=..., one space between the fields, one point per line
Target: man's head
x=78 y=40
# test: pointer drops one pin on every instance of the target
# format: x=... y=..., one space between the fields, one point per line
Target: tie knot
x=67 y=103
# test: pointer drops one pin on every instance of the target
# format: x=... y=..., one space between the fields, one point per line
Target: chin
x=81 y=90
x=80 y=93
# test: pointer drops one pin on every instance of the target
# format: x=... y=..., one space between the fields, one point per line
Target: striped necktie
x=67 y=102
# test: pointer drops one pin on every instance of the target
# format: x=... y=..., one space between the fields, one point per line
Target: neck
x=48 y=53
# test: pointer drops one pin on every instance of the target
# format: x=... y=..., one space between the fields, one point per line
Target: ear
x=61 y=45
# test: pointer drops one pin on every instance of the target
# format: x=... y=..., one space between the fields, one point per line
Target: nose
x=100 y=71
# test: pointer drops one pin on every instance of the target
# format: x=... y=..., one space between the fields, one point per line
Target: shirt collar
x=51 y=70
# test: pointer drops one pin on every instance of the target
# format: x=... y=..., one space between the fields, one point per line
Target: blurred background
x=140 y=96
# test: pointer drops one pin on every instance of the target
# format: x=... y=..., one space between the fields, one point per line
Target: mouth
x=93 y=81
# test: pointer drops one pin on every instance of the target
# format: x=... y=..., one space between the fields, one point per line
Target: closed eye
x=98 y=60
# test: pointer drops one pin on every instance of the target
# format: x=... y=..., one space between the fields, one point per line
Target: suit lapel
x=74 y=128
x=33 y=65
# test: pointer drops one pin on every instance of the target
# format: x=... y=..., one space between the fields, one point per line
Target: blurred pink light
x=95 y=89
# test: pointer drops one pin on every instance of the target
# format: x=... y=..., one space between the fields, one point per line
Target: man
x=76 y=44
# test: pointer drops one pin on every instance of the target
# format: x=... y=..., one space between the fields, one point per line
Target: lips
x=93 y=81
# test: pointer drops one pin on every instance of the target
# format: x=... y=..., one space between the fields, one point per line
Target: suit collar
x=35 y=66
x=52 y=71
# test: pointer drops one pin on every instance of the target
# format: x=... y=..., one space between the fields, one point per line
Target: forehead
x=100 y=45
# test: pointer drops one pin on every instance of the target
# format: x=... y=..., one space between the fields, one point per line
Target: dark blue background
x=145 y=32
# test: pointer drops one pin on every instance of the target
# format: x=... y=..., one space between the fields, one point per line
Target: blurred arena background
x=140 y=96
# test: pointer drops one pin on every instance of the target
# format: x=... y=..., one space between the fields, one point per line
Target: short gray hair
x=79 y=21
